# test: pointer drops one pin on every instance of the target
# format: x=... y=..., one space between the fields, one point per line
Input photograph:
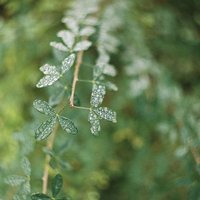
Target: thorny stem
x=76 y=71
x=45 y=177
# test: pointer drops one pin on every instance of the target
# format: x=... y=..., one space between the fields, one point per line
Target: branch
x=75 y=79
x=49 y=146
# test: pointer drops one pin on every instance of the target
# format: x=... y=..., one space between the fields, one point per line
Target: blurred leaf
x=56 y=185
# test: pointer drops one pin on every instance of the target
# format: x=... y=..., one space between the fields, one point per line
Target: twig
x=76 y=71
x=45 y=177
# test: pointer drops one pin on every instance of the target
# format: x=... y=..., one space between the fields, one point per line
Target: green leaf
x=107 y=114
x=56 y=185
x=83 y=45
x=45 y=129
x=67 y=63
x=95 y=123
x=43 y=107
x=48 y=80
x=68 y=37
x=48 y=69
x=59 y=46
x=15 y=180
x=26 y=166
x=111 y=86
x=87 y=31
x=67 y=125
x=40 y=196
x=97 y=96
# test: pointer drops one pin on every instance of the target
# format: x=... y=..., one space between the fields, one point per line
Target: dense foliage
x=137 y=57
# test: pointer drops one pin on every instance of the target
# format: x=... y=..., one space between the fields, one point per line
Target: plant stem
x=76 y=71
x=45 y=177
x=81 y=107
x=86 y=81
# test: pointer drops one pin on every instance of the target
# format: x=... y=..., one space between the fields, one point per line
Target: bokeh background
x=148 y=153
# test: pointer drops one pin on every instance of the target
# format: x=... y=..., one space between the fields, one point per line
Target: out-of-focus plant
x=153 y=150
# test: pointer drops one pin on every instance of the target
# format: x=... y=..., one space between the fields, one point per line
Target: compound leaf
x=45 y=129
x=43 y=107
x=57 y=185
x=67 y=125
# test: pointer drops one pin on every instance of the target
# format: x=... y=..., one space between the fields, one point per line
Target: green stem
x=81 y=107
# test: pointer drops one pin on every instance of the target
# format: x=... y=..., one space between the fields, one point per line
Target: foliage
x=149 y=49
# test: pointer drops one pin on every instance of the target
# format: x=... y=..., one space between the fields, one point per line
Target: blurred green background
x=146 y=155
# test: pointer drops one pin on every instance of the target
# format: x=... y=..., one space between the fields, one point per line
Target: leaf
x=26 y=188
x=97 y=96
x=57 y=185
x=95 y=123
x=67 y=63
x=83 y=45
x=67 y=37
x=45 y=128
x=67 y=125
x=91 y=21
x=107 y=114
x=109 y=70
x=48 y=80
x=87 y=31
x=15 y=180
x=26 y=166
x=59 y=46
x=48 y=69
x=72 y=24
x=40 y=196
x=43 y=107
x=111 y=86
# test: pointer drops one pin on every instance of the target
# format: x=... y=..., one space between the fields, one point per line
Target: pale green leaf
x=68 y=125
x=105 y=113
x=67 y=37
x=97 y=96
x=87 y=31
x=26 y=166
x=83 y=45
x=48 y=69
x=45 y=129
x=48 y=80
x=59 y=46
x=67 y=63
x=95 y=123
x=15 y=180
x=43 y=107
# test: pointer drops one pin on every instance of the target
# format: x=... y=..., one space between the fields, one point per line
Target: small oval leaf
x=43 y=107
x=45 y=129
x=83 y=45
x=67 y=63
x=57 y=185
x=67 y=125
